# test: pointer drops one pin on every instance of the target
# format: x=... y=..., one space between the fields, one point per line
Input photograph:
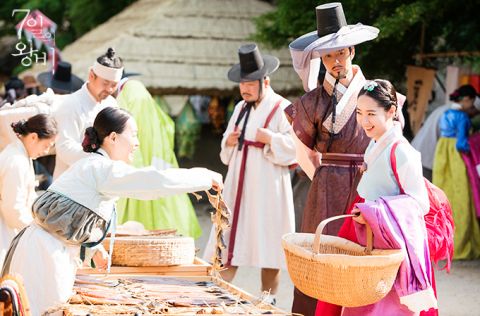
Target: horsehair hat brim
x=250 y=67
x=47 y=80
x=271 y=64
x=333 y=32
x=350 y=35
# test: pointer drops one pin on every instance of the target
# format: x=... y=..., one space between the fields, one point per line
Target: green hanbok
x=156 y=135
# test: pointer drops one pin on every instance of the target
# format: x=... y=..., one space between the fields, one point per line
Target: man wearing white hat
x=330 y=144
x=258 y=148
x=79 y=109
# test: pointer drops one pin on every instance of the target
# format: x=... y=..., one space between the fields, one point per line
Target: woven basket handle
x=321 y=226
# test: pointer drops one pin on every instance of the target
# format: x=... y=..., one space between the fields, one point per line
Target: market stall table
x=156 y=295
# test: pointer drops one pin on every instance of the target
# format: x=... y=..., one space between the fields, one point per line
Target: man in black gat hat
x=62 y=81
x=330 y=144
x=258 y=148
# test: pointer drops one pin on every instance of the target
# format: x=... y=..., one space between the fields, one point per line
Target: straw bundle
x=148 y=251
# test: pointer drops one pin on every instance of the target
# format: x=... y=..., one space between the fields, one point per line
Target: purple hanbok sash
x=472 y=163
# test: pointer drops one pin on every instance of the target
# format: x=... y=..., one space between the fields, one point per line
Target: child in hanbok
x=394 y=209
x=450 y=173
x=17 y=177
x=77 y=210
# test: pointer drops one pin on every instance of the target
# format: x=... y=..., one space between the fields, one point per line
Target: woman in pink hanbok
x=395 y=205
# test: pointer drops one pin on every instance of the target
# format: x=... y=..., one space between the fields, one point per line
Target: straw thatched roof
x=180 y=46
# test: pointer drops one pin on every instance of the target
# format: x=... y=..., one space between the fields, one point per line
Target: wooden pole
x=447 y=54
x=422 y=44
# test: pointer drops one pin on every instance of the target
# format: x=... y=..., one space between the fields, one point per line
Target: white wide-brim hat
x=333 y=33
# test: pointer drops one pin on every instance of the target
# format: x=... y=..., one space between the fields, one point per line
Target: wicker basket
x=152 y=251
x=338 y=271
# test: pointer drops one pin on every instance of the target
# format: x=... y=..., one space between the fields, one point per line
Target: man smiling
x=78 y=110
x=325 y=124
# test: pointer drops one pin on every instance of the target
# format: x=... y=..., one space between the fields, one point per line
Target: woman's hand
x=100 y=258
x=358 y=216
x=217 y=186
x=217 y=181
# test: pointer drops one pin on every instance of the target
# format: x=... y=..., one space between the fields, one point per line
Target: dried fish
x=221 y=221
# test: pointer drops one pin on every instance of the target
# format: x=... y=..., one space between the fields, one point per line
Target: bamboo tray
x=154 y=295
x=199 y=267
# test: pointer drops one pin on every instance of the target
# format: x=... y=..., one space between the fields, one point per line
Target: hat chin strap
x=260 y=90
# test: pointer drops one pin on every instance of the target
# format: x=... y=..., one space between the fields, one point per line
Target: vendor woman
x=17 y=178
x=79 y=207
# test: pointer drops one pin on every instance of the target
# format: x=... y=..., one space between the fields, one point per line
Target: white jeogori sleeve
x=410 y=175
x=122 y=180
x=281 y=150
x=14 y=204
x=68 y=145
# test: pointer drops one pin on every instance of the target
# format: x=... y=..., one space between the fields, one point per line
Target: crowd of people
x=342 y=134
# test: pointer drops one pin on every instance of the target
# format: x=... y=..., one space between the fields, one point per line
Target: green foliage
x=450 y=25
x=187 y=131
x=291 y=19
x=86 y=14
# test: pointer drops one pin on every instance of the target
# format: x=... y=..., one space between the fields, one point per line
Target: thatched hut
x=181 y=47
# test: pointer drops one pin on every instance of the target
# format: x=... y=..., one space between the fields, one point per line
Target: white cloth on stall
x=76 y=112
x=17 y=193
x=266 y=211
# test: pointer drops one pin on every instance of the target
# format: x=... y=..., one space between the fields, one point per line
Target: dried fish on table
x=155 y=295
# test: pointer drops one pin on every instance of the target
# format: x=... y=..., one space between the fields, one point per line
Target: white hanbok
x=427 y=137
x=266 y=211
x=74 y=114
x=47 y=263
x=17 y=193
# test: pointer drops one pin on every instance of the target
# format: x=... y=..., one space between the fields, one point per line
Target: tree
x=448 y=25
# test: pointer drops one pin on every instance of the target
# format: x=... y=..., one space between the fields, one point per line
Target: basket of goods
x=151 y=248
x=339 y=271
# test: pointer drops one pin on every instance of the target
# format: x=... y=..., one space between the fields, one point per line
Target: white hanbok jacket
x=266 y=210
x=17 y=193
x=76 y=112
x=47 y=263
x=374 y=182
x=427 y=137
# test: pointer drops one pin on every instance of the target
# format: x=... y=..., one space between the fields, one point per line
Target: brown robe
x=333 y=188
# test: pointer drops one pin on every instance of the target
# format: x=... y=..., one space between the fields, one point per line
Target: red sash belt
x=238 y=197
